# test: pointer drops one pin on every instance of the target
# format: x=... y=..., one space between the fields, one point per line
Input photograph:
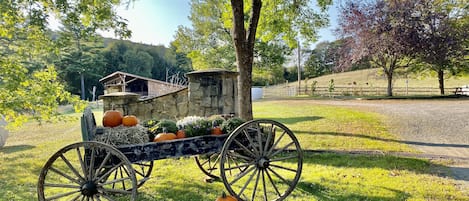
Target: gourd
x=225 y=197
x=164 y=137
x=180 y=134
x=129 y=120
x=112 y=118
x=216 y=131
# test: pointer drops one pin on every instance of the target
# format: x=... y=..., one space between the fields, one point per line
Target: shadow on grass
x=321 y=192
x=386 y=162
x=384 y=139
x=293 y=120
x=15 y=148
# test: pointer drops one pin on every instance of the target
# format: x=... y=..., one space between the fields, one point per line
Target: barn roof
x=119 y=76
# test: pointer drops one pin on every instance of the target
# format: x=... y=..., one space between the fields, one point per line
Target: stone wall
x=169 y=106
x=210 y=92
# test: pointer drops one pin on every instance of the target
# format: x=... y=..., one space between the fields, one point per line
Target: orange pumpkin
x=216 y=131
x=164 y=137
x=181 y=134
x=112 y=118
x=129 y=120
x=225 y=197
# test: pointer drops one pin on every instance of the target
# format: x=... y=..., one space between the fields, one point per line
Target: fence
x=288 y=91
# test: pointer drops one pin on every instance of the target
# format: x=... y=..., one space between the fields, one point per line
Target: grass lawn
x=325 y=176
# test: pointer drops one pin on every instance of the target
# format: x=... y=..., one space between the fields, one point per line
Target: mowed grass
x=325 y=176
x=375 y=78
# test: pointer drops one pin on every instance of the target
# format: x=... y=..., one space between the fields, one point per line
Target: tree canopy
x=243 y=34
x=28 y=78
x=394 y=34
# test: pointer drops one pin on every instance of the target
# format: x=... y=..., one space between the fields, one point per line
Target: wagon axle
x=89 y=189
x=263 y=163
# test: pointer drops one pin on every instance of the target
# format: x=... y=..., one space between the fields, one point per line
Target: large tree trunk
x=441 y=81
x=244 y=85
x=244 y=46
x=389 y=89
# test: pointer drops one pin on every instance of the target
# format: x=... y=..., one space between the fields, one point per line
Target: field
x=325 y=176
x=376 y=78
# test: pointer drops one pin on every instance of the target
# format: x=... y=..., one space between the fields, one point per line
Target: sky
x=155 y=21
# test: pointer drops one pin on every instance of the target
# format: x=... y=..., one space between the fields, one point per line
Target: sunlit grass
x=324 y=176
x=331 y=128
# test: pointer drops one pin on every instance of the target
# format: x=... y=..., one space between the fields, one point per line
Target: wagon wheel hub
x=89 y=189
x=263 y=163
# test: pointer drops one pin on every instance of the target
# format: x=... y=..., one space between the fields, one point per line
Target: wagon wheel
x=142 y=171
x=142 y=174
x=81 y=171
x=208 y=163
x=261 y=160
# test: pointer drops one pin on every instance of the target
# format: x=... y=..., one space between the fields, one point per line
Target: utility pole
x=299 y=67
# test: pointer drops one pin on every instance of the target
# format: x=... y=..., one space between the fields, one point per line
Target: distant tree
x=137 y=62
x=378 y=30
x=441 y=36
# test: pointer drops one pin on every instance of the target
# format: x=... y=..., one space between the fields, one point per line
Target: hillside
x=375 y=78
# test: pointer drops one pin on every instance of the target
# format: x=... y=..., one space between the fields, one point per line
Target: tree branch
x=255 y=15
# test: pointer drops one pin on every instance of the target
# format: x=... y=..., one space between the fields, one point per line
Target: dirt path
x=438 y=128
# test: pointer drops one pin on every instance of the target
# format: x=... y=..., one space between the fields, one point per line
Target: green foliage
x=29 y=84
x=164 y=125
x=198 y=128
x=231 y=124
x=150 y=123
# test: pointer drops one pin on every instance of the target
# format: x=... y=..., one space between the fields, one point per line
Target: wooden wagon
x=259 y=160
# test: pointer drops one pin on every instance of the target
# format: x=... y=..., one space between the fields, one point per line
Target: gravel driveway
x=438 y=128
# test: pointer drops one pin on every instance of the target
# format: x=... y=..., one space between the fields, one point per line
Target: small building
x=145 y=87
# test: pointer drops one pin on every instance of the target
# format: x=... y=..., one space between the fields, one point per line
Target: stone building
x=210 y=92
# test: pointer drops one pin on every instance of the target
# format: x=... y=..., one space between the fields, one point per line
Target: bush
x=229 y=125
x=198 y=128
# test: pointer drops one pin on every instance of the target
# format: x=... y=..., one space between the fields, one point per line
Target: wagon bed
x=259 y=160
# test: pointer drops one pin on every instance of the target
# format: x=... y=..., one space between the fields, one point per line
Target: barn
x=145 y=87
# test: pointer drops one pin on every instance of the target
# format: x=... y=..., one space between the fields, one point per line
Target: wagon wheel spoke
x=279 y=176
x=255 y=185
x=64 y=175
x=281 y=167
x=244 y=165
x=264 y=186
x=91 y=166
x=245 y=148
x=259 y=140
x=241 y=175
x=112 y=190
x=115 y=181
x=272 y=182
x=70 y=166
x=101 y=166
x=208 y=165
x=108 y=172
x=283 y=159
x=76 y=198
x=247 y=182
x=251 y=142
x=282 y=149
x=276 y=143
x=62 y=195
x=107 y=197
x=82 y=164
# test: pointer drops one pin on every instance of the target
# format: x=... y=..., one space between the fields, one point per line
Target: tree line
x=102 y=56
